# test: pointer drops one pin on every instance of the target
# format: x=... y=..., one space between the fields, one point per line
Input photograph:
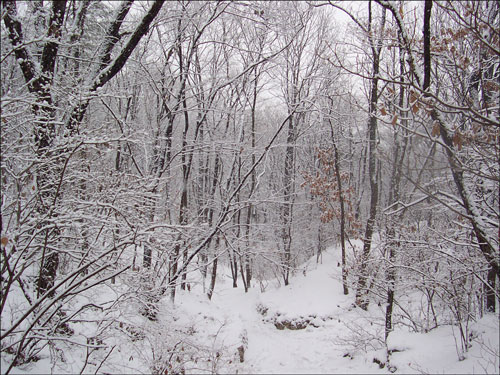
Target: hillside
x=306 y=327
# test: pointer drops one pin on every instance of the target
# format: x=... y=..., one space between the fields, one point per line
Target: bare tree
x=376 y=48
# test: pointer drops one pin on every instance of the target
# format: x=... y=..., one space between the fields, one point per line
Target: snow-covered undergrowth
x=308 y=326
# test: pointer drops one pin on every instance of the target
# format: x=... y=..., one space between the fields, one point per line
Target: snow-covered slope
x=337 y=339
x=257 y=332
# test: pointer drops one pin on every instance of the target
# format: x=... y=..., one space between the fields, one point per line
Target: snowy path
x=279 y=351
x=309 y=350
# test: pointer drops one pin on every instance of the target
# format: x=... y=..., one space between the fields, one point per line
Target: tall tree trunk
x=40 y=84
x=342 y=210
x=253 y=107
x=210 y=217
x=399 y=156
x=361 y=292
x=288 y=192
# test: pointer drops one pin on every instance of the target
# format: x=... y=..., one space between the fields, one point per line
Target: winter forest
x=250 y=187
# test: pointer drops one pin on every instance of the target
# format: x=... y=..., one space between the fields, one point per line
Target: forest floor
x=338 y=338
x=257 y=332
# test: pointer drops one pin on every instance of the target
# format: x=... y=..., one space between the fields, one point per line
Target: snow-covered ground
x=200 y=336
x=334 y=342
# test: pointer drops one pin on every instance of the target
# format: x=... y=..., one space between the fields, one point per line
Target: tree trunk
x=399 y=156
x=342 y=211
x=491 y=290
x=361 y=292
x=253 y=181
x=287 y=209
x=214 y=272
x=243 y=277
x=212 y=279
x=233 y=262
x=40 y=84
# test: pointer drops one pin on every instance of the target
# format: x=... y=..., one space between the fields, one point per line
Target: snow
x=311 y=350
x=435 y=352
x=210 y=333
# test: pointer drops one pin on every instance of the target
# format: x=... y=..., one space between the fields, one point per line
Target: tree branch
x=49 y=52
x=16 y=37
x=118 y=63
x=113 y=34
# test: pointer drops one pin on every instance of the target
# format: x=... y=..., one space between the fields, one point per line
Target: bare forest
x=155 y=151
